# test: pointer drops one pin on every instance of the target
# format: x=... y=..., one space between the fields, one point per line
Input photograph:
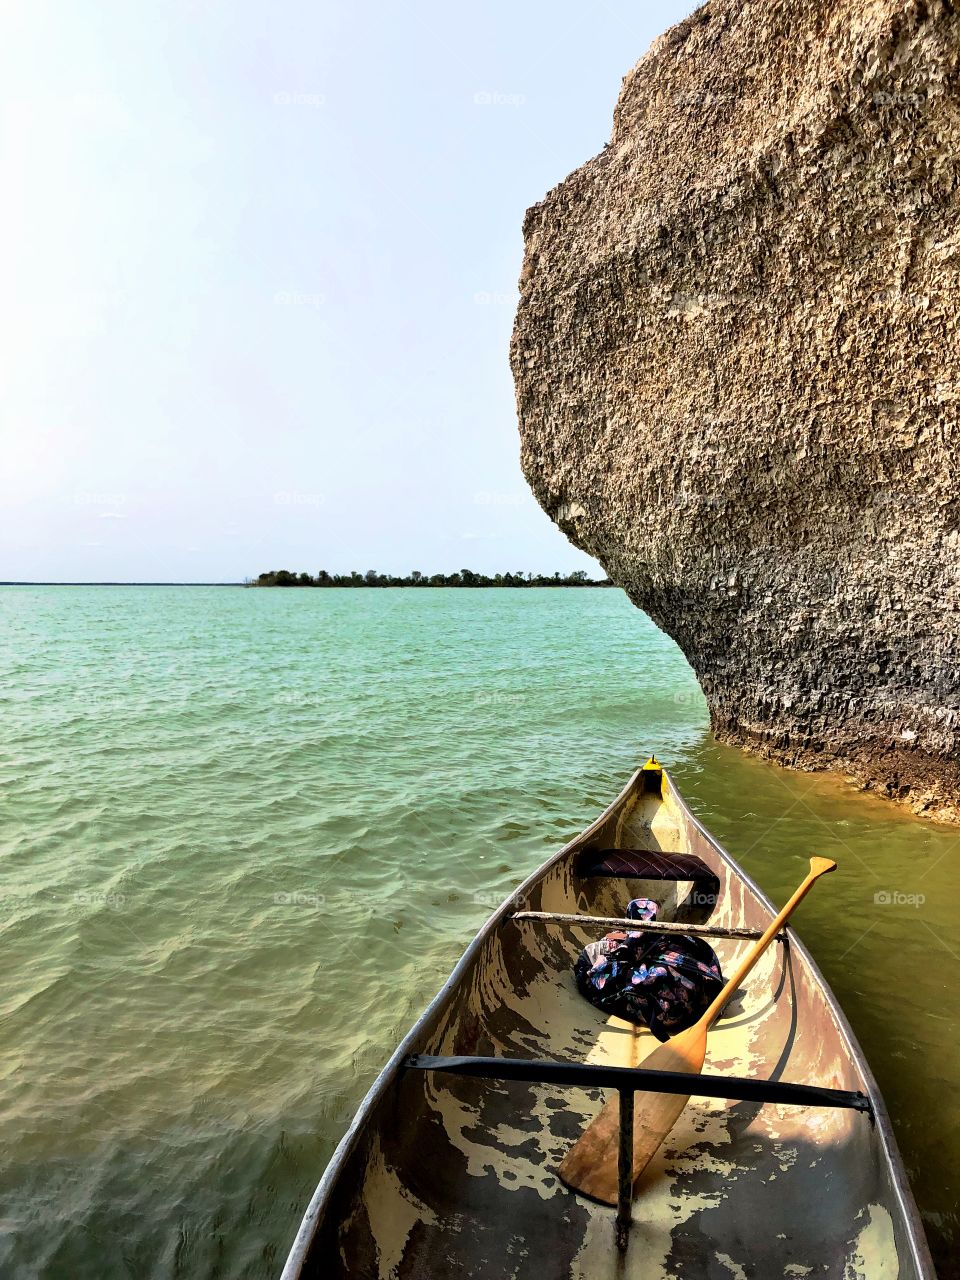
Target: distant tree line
x=465 y=578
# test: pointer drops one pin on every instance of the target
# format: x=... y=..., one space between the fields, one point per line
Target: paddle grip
x=818 y=868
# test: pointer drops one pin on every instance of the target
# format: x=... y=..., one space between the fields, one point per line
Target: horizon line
x=52 y=582
x=45 y=582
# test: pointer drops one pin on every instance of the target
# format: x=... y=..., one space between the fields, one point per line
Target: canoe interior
x=446 y=1176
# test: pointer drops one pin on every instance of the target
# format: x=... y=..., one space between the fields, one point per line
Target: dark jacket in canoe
x=653 y=980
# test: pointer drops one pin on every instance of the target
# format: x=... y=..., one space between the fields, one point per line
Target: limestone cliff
x=736 y=360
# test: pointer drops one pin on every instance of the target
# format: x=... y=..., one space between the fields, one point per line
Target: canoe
x=450 y=1168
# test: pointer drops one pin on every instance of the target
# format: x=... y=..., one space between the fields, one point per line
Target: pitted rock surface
x=736 y=362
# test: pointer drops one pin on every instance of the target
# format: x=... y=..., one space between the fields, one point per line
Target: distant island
x=465 y=578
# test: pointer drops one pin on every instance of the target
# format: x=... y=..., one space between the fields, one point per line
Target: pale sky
x=259 y=274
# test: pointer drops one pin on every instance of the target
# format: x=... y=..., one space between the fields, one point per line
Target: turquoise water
x=246 y=834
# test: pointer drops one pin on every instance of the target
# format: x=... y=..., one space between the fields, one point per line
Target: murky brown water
x=885 y=930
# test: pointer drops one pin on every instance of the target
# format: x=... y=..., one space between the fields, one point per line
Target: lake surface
x=246 y=834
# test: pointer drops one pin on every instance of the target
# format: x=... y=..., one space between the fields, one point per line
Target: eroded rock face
x=737 y=369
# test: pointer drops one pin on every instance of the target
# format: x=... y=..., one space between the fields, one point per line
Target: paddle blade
x=821 y=866
x=590 y=1167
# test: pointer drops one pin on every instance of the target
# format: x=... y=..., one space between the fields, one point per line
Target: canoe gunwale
x=293 y=1268
x=396 y=1064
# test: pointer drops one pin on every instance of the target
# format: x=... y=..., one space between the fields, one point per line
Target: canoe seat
x=645 y=864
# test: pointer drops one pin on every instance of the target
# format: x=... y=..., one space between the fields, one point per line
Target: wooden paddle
x=591 y=1166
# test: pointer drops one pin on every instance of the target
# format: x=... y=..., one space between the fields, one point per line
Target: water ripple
x=245 y=835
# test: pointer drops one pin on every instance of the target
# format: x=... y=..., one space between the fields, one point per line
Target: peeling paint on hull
x=442 y=1175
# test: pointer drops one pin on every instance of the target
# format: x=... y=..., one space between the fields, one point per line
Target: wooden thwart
x=641 y=926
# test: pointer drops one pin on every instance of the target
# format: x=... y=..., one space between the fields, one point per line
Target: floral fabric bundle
x=661 y=981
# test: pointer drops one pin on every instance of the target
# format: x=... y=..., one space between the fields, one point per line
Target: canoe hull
x=455 y=1176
